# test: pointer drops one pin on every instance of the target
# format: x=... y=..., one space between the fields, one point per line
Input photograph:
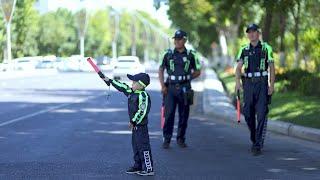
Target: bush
x=300 y=81
x=293 y=74
x=310 y=86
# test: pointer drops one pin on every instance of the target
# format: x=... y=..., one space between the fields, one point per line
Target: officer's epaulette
x=169 y=51
x=265 y=44
x=244 y=46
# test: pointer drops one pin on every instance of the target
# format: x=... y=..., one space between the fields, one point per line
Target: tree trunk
x=296 y=35
x=283 y=19
x=267 y=22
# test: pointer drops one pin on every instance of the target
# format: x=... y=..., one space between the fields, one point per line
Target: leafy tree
x=25 y=29
x=98 y=37
x=198 y=19
x=58 y=34
x=2 y=38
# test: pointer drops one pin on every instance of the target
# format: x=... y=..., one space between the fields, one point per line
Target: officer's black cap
x=142 y=78
x=253 y=27
x=179 y=34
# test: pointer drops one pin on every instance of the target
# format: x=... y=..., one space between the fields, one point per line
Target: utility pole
x=8 y=9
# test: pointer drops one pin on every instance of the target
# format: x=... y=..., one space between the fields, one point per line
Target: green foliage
x=310 y=85
x=311 y=46
x=299 y=20
x=300 y=81
x=198 y=19
x=2 y=37
x=58 y=34
x=289 y=106
x=295 y=108
x=98 y=37
x=25 y=29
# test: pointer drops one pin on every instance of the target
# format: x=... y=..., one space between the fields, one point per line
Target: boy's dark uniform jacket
x=139 y=103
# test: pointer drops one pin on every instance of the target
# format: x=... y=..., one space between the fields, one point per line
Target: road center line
x=46 y=110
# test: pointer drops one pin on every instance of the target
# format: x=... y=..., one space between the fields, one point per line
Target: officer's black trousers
x=141 y=148
x=256 y=109
x=173 y=98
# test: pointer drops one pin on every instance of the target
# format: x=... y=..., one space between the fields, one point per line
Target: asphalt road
x=63 y=127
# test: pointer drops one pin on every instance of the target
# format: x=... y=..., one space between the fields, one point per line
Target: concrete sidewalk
x=217 y=103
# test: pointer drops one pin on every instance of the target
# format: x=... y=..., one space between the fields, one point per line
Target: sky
x=143 y=5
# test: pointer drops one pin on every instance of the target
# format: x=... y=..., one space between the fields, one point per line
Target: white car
x=127 y=65
x=26 y=63
x=4 y=66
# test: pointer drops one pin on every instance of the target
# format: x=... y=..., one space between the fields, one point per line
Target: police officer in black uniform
x=182 y=65
x=258 y=84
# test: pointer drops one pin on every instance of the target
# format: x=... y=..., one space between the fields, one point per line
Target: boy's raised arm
x=120 y=86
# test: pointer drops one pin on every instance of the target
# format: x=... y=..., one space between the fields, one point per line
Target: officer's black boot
x=256 y=151
x=181 y=143
x=165 y=144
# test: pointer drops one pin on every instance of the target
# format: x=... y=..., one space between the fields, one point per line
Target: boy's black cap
x=142 y=78
x=252 y=27
x=179 y=34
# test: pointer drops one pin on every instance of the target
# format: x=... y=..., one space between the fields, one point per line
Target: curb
x=228 y=112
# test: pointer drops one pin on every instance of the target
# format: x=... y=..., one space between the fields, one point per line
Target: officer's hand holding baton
x=238 y=86
x=164 y=90
x=238 y=106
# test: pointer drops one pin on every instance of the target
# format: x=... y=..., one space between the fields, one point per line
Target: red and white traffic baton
x=238 y=106
x=162 y=113
x=96 y=68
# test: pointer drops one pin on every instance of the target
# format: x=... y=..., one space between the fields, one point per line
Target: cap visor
x=131 y=77
x=252 y=29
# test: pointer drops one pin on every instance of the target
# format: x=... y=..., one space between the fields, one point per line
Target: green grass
x=286 y=106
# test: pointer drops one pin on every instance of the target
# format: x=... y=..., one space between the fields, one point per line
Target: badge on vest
x=184 y=59
x=142 y=106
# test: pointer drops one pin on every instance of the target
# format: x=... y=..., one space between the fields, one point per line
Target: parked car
x=127 y=65
x=4 y=66
x=104 y=63
x=151 y=66
x=47 y=62
x=26 y=63
x=68 y=64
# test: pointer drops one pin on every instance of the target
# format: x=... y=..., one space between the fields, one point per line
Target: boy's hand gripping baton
x=238 y=106
x=96 y=68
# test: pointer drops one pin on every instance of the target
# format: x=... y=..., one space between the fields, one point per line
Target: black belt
x=180 y=83
x=256 y=79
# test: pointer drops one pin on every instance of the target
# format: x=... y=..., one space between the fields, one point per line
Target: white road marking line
x=45 y=111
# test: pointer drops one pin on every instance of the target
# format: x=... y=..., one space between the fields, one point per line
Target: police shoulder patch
x=142 y=106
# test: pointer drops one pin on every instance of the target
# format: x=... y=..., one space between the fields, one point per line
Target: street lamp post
x=82 y=18
x=8 y=9
x=147 y=41
x=133 y=37
x=115 y=33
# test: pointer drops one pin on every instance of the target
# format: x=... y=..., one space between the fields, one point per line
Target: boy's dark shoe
x=181 y=144
x=133 y=170
x=165 y=145
x=146 y=173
